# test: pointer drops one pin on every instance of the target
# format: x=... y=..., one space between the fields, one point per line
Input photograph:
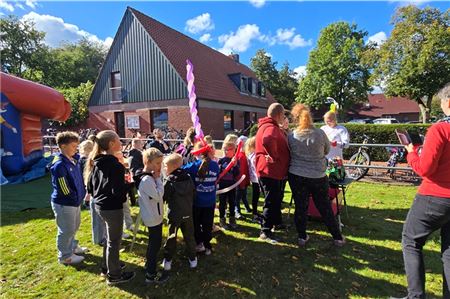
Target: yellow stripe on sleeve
x=63 y=186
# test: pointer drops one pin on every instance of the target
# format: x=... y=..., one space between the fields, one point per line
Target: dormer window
x=252 y=86
x=116 y=87
x=261 y=89
x=244 y=84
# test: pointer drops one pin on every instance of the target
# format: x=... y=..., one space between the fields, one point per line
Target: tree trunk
x=425 y=107
x=423 y=112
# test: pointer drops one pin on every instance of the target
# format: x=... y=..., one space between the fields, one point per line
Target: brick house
x=142 y=84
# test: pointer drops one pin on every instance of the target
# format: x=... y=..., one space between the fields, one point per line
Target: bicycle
x=397 y=154
x=362 y=158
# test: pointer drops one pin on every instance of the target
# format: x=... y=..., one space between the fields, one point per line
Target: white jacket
x=151 y=193
x=340 y=135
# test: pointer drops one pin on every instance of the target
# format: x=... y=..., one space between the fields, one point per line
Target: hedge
x=380 y=134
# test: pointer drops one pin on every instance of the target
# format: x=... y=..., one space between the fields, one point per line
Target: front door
x=120 y=123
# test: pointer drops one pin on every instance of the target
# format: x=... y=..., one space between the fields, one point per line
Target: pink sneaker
x=340 y=243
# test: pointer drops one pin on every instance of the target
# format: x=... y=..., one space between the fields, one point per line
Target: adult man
x=430 y=210
x=159 y=142
x=272 y=162
x=135 y=156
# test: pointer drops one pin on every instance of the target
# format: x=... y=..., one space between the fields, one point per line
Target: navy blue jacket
x=206 y=187
x=67 y=181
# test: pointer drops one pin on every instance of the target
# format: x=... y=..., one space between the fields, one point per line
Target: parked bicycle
x=397 y=154
x=361 y=158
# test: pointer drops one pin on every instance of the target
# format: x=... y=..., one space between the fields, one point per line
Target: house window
x=244 y=84
x=133 y=122
x=160 y=119
x=228 y=120
x=261 y=89
x=116 y=87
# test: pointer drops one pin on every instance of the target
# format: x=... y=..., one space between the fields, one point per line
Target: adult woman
x=337 y=134
x=309 y=146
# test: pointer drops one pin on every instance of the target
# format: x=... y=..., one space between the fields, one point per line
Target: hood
x=103 y=160
x=178 y=175
x=138 y=177
x=266 y=120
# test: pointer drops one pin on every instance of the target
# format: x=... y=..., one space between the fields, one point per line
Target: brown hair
x=66 y=138
x=204 y=167
x=190 y=137
x=302 y=116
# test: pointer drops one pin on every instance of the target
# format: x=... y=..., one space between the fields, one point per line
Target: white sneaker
x=193 y=263
x=80 y=250
x=125 y=236
x=215 y=228
x=167 y=265
x=200 y=247
x=74 y=259
x=208 y=251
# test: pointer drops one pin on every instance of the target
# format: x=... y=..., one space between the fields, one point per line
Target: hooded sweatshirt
x=107 y=183
x=151 y=191
x=271 y=142
x=179 y=195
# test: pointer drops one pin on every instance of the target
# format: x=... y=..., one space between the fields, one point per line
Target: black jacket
x=179 y=195
x=155 y=143
x=135 y=160
x=107 y=183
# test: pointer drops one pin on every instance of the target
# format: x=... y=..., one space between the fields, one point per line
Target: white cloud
x=258 y=3
x=287 y=37
x=199 y=24
x=31 y=3
x=6 y=6
x=378 y=38
x=18 y=5
x=239 y=41
x=57 y=31
x=300 y=71
x=205 y=38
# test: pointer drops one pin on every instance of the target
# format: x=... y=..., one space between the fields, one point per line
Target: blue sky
x=286 y=30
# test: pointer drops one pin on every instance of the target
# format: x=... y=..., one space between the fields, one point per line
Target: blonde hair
x=331 y=115
x=302 y=116
x=101 y=144
x=174 y=160
x=230 y=138
x=66 y=138
x=151 y=154
x=208 y=139
x=250 y=145
x=86 y=147
x=228 y=144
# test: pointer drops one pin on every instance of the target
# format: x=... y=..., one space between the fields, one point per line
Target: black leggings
x=255 y=197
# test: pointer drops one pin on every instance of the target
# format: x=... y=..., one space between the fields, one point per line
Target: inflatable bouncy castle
x=23 y=105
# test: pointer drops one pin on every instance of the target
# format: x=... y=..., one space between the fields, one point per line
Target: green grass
x=369 y=266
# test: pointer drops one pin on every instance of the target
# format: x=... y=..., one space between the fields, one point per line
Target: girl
x=241 y=190
x=204 y=172
x=107 y=186
x=250 y=151
x=127 y=220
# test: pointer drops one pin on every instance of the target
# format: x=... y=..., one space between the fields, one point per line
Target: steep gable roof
x=211 y=68
x=379 y=105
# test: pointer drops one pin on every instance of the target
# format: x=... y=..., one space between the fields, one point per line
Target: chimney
x=234 y=56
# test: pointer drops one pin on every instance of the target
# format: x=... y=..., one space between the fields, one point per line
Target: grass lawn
x=369 y=266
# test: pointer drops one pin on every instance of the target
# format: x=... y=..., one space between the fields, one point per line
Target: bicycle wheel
x=360 y=158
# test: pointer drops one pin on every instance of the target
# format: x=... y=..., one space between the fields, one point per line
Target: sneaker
x=125 y=236
x=193 y=263
x=74 y=259
x=104 y=271
x=167 y=265
x=238 y=216
x=124 y=277
x=302 y=242
x=256 y=218
x=215 y=228
x=281 y=227
x=80 y=250
x=249 y=210
x=340 y=243
x=200 y=247
x=156 y=278
x=233 y=224
x=223 y=223
x=267 y=237
x=208 y=251
x=131 y=228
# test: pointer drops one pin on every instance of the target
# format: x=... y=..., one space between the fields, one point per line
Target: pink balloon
x=190 y=78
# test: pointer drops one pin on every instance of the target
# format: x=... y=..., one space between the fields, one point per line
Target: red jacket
x=243 y=169
x=433 y=164
x=271 y=151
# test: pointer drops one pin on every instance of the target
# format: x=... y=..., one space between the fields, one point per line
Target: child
x=241 y=191
x=226 y=181
x=205 y=172
x=151 y=191
x=67 y=196
x=250 y=151
x=179 y=195
x=107 y=186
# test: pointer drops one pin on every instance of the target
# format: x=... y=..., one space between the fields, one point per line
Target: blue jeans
x=427 y=214
x=98 y=225
x=68 y=222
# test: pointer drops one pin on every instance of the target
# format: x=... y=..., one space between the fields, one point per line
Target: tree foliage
x=335 y=68
x=78 y=98
x=281 y=84
x=415 y=60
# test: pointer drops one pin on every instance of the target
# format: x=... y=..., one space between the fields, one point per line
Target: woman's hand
x=409 y=148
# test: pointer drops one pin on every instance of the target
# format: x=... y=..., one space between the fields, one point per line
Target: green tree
x=22 y=47
x=335 y=68
x=287 y=85
x=78 y=98
x=265 y=70
x=415 y=60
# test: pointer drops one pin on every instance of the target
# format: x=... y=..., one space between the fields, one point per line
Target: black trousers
x=272 y=203
x=187 y=228
x=255 y=197
x=302 y=188
x=241 y=194
x=228 y=197
x=154 y=244
x=203 y=223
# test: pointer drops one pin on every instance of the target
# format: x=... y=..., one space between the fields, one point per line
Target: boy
x=68 y=194
x=151 y=191
x=179 y=195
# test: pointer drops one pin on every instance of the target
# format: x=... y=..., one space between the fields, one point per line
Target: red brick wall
x=212 y=122
x=238 y=120
x=179 y=118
